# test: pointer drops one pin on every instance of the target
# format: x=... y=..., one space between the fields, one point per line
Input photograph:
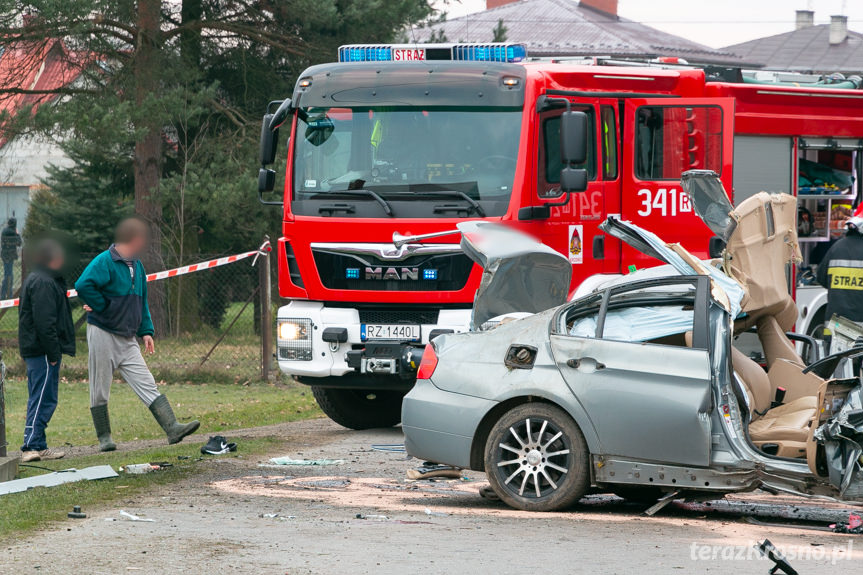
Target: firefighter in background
x=841 y=272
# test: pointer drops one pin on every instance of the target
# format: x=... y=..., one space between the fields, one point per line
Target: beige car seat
x=788 y=425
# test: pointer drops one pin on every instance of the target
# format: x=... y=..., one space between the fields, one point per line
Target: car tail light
x=428 y=363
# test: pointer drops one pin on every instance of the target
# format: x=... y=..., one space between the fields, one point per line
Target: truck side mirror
x=269 y=141
x=573 y=180
x=573 y=137
x=573 y=150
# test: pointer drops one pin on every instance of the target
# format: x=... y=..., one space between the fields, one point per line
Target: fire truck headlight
x=295 y=339
x=293 y=330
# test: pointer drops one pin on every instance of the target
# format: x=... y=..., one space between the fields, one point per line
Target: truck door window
x=672 y=139
x=549 y=152
x=609 y=143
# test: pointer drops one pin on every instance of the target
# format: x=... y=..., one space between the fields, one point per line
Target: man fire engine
x=408 y=140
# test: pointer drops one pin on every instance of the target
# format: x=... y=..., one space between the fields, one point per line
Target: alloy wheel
x=533 y=458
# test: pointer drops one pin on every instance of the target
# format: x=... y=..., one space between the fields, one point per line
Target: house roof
x=33 y=67
x=567 y=28
x=805 y=50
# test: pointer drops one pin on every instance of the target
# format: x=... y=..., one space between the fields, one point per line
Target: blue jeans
x=42 y=382
x=8 y=280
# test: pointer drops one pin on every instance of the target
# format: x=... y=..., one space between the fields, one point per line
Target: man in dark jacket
x=841 y=272
x=45 y=333
x=114 y=289
x=10 y=241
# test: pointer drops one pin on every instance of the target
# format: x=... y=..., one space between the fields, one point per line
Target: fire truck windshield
x=416 y=159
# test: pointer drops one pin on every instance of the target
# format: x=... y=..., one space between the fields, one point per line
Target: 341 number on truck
x=391 y=146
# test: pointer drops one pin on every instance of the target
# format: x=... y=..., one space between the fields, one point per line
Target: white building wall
x=23 y=166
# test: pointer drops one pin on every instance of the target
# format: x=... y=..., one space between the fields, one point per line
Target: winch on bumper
x=319 y=341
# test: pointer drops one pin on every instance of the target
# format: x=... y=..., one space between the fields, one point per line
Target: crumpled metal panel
x=520 y=274
x=842 y=437
x=58 y=478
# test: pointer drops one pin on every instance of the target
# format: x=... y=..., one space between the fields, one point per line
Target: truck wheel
x=360 y=408
x=536 y=458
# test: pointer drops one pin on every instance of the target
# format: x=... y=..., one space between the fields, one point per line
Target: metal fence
x=210 y=325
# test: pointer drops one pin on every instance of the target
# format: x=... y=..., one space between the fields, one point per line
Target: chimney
x=607 y=6
x=838 y=29
x=805 y=19
x=489 y=4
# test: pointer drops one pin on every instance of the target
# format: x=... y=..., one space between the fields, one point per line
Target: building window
x=673 y=139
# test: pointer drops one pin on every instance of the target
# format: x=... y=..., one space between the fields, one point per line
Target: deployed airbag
x=637 y=323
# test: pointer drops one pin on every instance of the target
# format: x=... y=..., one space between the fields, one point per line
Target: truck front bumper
x=314 y=340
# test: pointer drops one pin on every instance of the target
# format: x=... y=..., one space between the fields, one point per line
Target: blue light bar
x=430 y=274
x=352 y=273
x=365 y=54
x=492 y=52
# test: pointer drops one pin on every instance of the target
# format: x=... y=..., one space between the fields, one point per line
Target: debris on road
x=141 y=468
x=431 y=513
x=218 y=445
x=430 y=470
x=853 y=527
x=58 y=478
x=278 y=516
x=486 y=492
x=373 y=517
x=279 y=461
x=131 y=517
x=767 y=549
x=389 y=447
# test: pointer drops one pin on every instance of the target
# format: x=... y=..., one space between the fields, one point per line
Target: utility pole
x=266 y=310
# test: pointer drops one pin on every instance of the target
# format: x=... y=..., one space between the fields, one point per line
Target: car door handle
x=585 y=364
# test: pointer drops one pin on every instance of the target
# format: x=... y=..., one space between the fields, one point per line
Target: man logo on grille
x=398 y=274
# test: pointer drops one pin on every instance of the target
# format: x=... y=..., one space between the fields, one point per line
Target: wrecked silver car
x=636 y=388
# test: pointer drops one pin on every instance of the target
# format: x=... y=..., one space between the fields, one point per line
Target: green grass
x=24 y=512
x=237 y=358
x=218 y=406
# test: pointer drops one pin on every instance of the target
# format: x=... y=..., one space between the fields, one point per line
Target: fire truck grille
x=399 y=316
x=426 y=272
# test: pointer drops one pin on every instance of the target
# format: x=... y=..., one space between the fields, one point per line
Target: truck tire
x=360 y=408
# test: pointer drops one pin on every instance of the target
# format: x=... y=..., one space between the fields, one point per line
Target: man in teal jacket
x=114 y=290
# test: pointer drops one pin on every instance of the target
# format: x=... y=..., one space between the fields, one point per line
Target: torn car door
x=520 y=274
x=648 y=399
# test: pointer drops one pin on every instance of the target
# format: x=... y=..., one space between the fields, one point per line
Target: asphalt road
x=241 y=518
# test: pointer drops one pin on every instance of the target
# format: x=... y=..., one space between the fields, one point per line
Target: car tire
x=552 y=469
x=360 y=408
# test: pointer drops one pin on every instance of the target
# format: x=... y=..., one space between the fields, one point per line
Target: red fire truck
x=411 y=139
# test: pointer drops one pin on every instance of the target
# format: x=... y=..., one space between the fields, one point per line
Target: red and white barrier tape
x=265 y=248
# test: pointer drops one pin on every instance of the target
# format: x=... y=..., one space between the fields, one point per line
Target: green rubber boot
x=103 y=427
x=176 y=431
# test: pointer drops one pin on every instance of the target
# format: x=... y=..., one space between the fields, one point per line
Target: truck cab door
x=664 y=138
x=571 y=227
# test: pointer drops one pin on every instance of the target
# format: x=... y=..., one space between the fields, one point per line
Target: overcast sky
x=714 y=22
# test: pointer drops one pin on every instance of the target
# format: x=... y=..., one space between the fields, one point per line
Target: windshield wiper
x=475 y=206
x=368 y=193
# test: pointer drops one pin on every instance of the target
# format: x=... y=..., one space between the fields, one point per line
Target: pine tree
x=167 y=76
